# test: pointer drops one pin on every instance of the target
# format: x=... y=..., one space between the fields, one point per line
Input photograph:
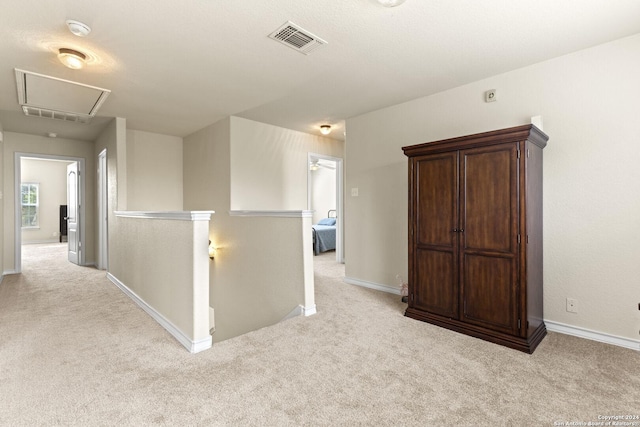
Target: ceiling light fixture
x=391 y=3
x=325 y=129
x=71 y=58
x=78 y=28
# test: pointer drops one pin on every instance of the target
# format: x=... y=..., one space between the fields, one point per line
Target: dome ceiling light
x=325 y=129
x=71 y=58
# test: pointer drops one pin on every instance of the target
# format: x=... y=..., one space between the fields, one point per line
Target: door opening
x=79 y=197
x=335 y=164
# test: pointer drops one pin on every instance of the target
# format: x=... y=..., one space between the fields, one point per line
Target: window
x=30 y=199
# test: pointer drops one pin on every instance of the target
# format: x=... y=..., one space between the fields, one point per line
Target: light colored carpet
x=74 y=350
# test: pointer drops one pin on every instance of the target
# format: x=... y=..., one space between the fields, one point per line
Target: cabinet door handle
x=461 y=230
x=455 y=230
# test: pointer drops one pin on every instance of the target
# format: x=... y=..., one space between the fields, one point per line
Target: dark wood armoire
x=475 y=235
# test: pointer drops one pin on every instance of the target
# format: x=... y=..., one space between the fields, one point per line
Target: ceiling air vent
x=53 y=98
x=58 y=115
x=297 y=38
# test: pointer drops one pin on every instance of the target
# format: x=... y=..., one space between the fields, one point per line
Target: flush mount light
x=391 y=3
x=325 y=129
x=71 y=58
x=78 y=28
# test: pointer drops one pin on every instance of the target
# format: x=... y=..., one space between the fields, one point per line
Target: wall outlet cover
x=491 y=95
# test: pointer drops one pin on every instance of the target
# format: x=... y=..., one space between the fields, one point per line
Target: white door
x=73 y=202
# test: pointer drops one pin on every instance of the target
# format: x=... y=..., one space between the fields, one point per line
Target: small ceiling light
x=71 y=58
x=78 y=28
x=391 y=3
x=325 y=129
x=52 y=135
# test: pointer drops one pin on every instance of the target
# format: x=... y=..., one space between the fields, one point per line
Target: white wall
x=269 y=165
x=589 y=104
x=112 y=138
x=2 y=235
x=51 y=176
x=154 y=171
x=263 y=264
x=323 y=192
x=164 y=262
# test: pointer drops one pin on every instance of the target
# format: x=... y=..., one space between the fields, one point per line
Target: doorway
x=79 y=184
x=331 y=168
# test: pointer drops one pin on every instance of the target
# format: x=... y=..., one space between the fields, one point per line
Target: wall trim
x=301 y=310
x=280 y=214
x=309 y=311
x=39 y=242
x=592 y=335
x=188 y=343
x=8 y=272
x=372 y=285
x=173 y=215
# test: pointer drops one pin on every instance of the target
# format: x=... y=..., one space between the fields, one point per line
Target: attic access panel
x=51 y=97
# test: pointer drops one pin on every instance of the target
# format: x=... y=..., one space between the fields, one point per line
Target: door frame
x=17 y=203
x=103 y=240
x=339 y=199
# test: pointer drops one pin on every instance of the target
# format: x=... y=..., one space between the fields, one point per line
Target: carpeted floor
x=74 y=350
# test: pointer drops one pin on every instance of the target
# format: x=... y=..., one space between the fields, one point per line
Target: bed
x=324 y=233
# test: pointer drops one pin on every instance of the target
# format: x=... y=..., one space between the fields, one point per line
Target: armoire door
x=434 y=240
x=489 y=240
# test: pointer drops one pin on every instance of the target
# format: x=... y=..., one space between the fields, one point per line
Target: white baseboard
x=301 y=310
x=39 y=242
x=7 y=272
x=188 y=343
x=372 y=285
x=592 y=335
x=309 y=311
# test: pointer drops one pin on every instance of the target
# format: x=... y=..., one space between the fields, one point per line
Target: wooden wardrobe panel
x=436 y=201
x=437 y=291
x=490 y=201
x=489 y=292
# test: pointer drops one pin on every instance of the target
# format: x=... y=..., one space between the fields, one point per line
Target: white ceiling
x=177 y=66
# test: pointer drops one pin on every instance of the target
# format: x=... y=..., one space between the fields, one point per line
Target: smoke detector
x=78 y=28
x=391 y=3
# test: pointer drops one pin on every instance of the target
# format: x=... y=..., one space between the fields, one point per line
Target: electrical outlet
x=572 y=305
x=491 y=95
